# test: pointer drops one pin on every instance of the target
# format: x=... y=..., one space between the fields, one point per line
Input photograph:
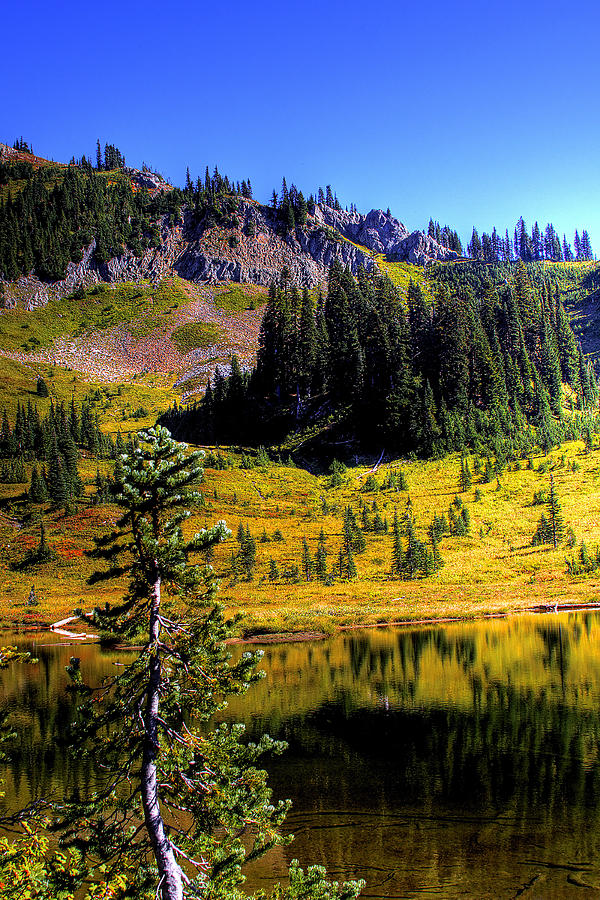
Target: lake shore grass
x=493 y=570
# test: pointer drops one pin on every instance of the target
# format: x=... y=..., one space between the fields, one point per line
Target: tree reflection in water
x=458 y=761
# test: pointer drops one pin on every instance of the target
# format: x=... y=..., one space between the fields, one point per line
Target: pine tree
x=543 y=532
x=397 y=551
x=150 y=733
x=321 y=558
x=37 y=492
x=43 y=552
x=41 y=387
x=465 y=479
x=248 y=554
x=307 y=564
x=59 y=485
x=349 y=564
x=586 y=246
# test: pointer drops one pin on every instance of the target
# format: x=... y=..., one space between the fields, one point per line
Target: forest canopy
x=475 y=357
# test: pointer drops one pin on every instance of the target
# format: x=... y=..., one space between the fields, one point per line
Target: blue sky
x=470 y=112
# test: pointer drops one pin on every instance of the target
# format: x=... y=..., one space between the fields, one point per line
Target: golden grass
x=401 y=273
x=117 y=403
x=235 y=298
x=493 y=570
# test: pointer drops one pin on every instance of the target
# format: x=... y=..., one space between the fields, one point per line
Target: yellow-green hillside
x=493 y=569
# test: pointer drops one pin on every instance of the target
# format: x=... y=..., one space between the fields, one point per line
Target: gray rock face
x=254 y=252
x=153 y=182
x=261 y=252
x=30 y=292
x=382 y=233
x=7 y=153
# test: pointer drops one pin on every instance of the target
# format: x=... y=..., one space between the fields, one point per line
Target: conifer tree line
x=445 y=236
x=47 y=221
x=53 y=444
x=411 y=557
x=22 y=146
x=213 y=200
x=53 y=212
x=535 y=247
x=112 y=158
x=465 y=361
x=292 y=207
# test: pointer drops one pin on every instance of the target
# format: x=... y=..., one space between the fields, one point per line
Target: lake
x=458 y=760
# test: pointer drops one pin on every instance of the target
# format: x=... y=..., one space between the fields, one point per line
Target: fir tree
x=248 y=554
x=307 y=564
x=41 y=387
x=149 y=734
x=321 y=557
x=397 y=551
x=43 y=552
x=465 y=479
x=38 y=492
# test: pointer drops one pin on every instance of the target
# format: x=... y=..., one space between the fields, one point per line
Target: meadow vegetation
x=234 y=298
x=315 y=550
x=195 y=335
x=492 y=568
x=97 y=308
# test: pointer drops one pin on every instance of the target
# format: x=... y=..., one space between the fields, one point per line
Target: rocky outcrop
x=382 y=233
x=151 y=181
x=29 y=291
x=250 y=248
x=7 y=153
x=255 y=252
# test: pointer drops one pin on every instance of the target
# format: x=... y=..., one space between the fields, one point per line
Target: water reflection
x=459 y=761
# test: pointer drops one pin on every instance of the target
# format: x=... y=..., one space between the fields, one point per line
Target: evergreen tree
x=307 y=563
x=149 y=734
x=586 y=246
x=397 y=551
x=38 y=492
x=321 y=558
x=349 y=566
x=248 y=554
x=59 y=485
x=43 y=552
x=42 y=387
x=465 y=479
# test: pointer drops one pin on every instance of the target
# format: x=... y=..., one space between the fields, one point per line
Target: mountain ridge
x=249 y=246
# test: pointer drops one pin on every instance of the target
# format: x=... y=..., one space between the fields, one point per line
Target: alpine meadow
x=299 y=525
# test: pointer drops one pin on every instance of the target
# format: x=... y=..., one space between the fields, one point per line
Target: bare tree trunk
x=169 y=871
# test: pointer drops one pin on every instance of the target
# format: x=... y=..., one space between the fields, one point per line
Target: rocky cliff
x=382 y=233
x=30 y=291
x=250 y=247
x=255 y=250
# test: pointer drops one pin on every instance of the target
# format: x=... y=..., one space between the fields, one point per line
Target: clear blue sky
x=470 y=112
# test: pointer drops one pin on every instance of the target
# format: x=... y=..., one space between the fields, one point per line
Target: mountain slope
x=226 y=237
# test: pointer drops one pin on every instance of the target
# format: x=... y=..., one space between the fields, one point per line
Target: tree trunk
x=169 y=871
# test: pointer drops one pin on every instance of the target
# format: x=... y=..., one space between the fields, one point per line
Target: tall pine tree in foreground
x=178 y=808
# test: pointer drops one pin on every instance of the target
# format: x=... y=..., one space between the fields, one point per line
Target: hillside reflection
x=458 y=761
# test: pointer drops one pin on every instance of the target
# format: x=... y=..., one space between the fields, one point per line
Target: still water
x=453 y=761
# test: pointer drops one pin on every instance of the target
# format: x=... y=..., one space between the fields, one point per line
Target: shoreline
x=266 y=637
